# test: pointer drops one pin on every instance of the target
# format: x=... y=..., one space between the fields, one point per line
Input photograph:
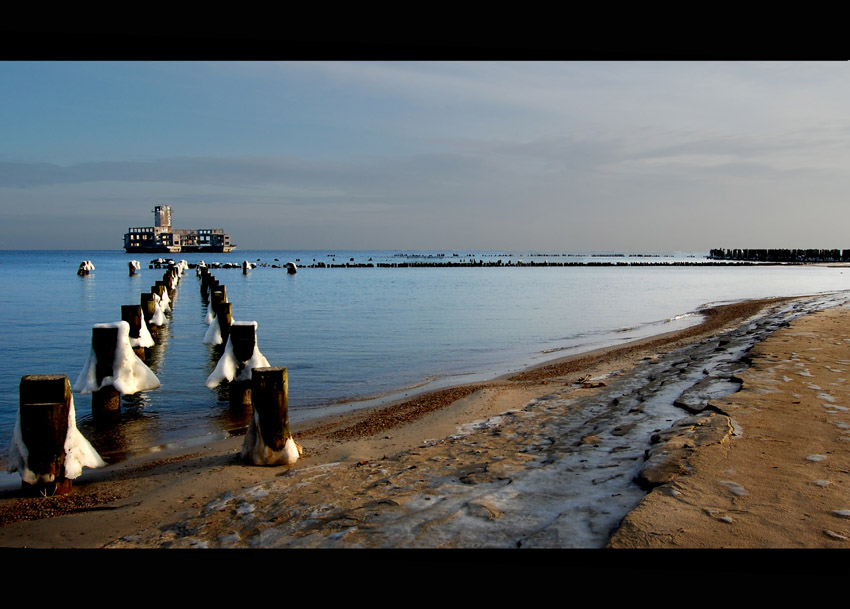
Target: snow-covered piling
x=204 y=276
x=241 y=356
x=140 y=336
x=47 y=449
x=223 y=312
x=134 y=266
x=86 y=267
x=268 y=440
x=291 y=268
x=112 y=370
x=148 y=303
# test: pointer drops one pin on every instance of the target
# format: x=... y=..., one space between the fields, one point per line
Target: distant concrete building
x=162 y=238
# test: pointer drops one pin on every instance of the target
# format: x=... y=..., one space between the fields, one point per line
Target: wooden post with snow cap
x=212 y=285
x=224 y=314
x=243 y=339
x=165 y=291
x=159 y=290
x=268 y=440
x=45 y=406
x=204 y=276
x=105 y=402
x=132 y=314
x=148 y=311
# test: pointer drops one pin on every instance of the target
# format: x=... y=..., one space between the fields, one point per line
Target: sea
x=353 y=328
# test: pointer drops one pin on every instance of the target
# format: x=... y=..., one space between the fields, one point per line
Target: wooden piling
x=105 y=402
x=224 y=313
x=243 y=339
x=45 y=402
x=158 y=289
x=270 y=399
x=132 y=314
x=148 y=311
x=219 y=295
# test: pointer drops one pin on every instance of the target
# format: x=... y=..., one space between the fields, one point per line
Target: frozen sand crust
x=556 y=473
x=786 y=482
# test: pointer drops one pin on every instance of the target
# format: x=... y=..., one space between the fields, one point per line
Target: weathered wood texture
x=45 y=403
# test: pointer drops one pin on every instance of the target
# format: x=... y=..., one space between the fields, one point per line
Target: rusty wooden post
x=132 y=314
x=243 y=339
x=45 y=402
x=105 y=402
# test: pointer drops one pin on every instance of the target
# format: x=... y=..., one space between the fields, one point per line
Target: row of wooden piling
x=46 y=401
x=268 y=440
x=106 y=402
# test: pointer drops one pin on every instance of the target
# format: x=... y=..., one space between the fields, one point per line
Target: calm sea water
x=346 y=335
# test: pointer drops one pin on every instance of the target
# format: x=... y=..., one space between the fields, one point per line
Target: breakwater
x=483 y=264
x=787 y=256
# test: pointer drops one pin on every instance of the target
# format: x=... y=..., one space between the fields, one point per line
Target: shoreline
x=132 y=501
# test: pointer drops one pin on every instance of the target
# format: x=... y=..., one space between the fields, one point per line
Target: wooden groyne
x=786 y=256
x=502 y=264
x=46 y=440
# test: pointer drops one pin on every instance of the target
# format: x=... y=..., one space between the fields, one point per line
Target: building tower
x=163 y=216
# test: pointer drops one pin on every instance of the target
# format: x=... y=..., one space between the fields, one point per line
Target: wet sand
x=448 y=469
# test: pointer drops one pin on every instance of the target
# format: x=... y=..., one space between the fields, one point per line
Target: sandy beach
x=493 y=465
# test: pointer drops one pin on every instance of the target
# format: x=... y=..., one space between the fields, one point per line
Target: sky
x=623 y=156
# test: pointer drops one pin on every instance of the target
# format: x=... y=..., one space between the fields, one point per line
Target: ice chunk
x=18 y=455
x=164 y=301
x=145 y=339
x=213 y=335
x=129 y=373
x=79 y=453
x=228 y=368
x=158 y=318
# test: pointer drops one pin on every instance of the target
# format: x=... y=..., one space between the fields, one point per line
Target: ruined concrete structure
x=163 y=238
